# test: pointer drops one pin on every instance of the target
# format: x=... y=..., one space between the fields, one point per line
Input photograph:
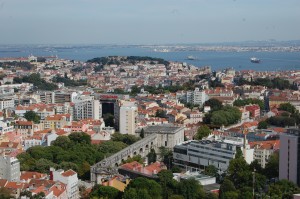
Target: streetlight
x=253 y=182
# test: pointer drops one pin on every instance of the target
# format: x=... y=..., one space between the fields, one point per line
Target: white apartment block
x=70 y=179
x=9 y=168
x=195 y=97
x=262 y=155
x=5 y=127
x=128 y=117
x=6 y=103
x=85 y=107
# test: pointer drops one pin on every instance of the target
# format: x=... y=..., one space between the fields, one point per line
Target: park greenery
x=5 y=193
x=115 y=60
x=71 y=152
x=238 y=181
x=161 y=113
x=163 y=188
x=188 y=85
x=227 y=115
x=214 y=104
x=32 y=116
x=37 y=81
x=289 y=116
x=69 y=82
x=202 y=132
x=17 y=65
x=262 y=125
x=244 y=102
x=276 y=83
x=127 y=139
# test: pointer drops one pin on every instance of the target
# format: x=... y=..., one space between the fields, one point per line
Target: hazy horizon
x=131 y=22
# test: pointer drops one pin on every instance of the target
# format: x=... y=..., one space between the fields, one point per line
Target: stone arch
x=135 y=153
x=116 y=165
x=147 y=146
x=141 y=150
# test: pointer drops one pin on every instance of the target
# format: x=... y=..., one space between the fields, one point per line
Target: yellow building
x=117 y=182
x=56 y=121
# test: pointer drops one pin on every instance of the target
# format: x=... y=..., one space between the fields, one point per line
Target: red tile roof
x=68 y=173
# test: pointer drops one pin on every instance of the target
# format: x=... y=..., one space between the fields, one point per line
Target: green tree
x=176 y=169
x=191 y=189
x=160 y=113
x=32 y=116
x=211 y=195
x=243 y=102
x=214 y=104
x=144 y=188
x=287 y=107
x=239 y=172
x=226 y=186
x=125 y=138
x=246 y=193
x=239 y=153
x=40 y=195
x=256 y=166
x=130 y=193
x=202 y=132
x=109 y=119
x=43 y=165
x=5 y=193
x=151 y=156
x=211 y=170
x=177 y=197
x=80 y=137
x=165 y=178
x=137 y=158
x=262 y=125
x=68 y=165
x=62 y=141
x=142 y=134
x=230 y=195
x=104 y=192
x=272 y=167
x=283 y=189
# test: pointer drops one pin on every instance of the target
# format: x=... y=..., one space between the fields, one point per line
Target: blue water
x=270 y=61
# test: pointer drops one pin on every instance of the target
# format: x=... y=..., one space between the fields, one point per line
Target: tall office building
x=128 y=116
x=289 y=160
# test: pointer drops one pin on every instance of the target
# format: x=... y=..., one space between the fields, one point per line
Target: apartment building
x=289 y=161
x=194 y=97
x=128 y=118
x=6 y=103
x=86 y=107
x=9 y=168
x=69 y=178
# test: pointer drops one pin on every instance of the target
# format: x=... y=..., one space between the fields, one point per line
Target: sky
x=147 y=21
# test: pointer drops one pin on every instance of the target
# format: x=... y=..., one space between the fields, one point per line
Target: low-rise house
x=254 y=110
x=25 y=128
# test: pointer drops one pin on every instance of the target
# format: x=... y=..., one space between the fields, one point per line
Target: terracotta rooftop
x=68 y=173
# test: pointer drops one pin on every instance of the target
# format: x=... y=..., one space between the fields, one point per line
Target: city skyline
x=145 y=22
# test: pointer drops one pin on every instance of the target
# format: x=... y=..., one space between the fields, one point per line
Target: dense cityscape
x=142 y=127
